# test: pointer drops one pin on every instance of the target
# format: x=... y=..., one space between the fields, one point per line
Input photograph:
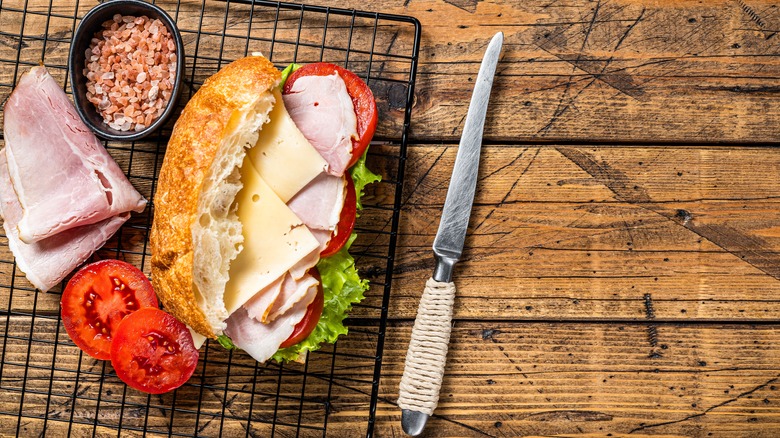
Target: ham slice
x=298 y=271
x=261 y=340
x=61 y=173
x=322 y=236
x=279 y=297
x=322 y=109
x=293 y=291
x=47 y=262
x=260 y=305
x=318 y=205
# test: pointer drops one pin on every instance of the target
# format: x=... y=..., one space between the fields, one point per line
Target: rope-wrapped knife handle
x=427 y=354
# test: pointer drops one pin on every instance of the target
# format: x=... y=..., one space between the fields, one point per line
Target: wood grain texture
x=537 y=379
x=563 y=379
x=566 y=232
x=621 y=271
x=621 y=70
x=607 y=70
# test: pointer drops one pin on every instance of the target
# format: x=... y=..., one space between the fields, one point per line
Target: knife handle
x=427 y=353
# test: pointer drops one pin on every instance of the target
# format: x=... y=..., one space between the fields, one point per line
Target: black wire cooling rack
x=49 y=388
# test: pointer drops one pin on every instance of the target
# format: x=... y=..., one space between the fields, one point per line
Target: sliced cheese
x=283 y=156
x=197 y=339
x=274 y=239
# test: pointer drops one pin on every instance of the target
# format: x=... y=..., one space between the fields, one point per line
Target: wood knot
x=396 y=96
x=489 y=333
x=683 y=216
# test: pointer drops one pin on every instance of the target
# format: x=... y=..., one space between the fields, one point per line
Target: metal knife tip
x=496 y=43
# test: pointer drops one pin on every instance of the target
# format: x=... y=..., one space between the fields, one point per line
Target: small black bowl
x=89 y=26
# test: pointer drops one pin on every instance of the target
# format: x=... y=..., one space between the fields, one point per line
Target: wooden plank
x=596 y=232
x=611 y=70
x=530 y=379
x=593 y=174
x=622 y=71
x=545 y=379
x=568 y=232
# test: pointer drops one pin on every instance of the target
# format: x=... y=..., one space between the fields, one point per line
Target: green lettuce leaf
x=226 y=343
x=362 y=177
x=286 y=72
x=343 y=288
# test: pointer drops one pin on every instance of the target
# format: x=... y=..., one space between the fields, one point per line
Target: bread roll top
x=196 y=232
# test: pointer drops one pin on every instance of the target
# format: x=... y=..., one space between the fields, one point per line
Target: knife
x=427 y=353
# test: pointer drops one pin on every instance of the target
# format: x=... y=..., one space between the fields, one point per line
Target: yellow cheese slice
x=197 y=339
x=274 y=239
x=282 y=155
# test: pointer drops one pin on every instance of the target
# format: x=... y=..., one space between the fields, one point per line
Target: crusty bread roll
x=199 y=179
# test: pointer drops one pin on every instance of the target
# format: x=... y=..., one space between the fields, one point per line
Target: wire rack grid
x=49 y=388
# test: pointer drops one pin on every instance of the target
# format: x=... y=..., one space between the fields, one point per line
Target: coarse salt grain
x=132 y=64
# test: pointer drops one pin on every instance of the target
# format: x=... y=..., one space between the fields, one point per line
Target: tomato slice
x=362 y=100
x=96 y=300
x=346 y=221
x=304 y=328
x=153 y=351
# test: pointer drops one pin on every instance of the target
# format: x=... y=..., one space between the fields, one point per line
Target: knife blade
x=427 y=353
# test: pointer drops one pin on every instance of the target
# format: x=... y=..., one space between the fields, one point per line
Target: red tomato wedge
x=362 y=100
x=153 y=352
x=96 y=300
x=304 y=328
x=346 y=221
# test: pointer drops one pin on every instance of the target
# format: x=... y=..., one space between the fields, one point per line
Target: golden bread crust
x=193 y=146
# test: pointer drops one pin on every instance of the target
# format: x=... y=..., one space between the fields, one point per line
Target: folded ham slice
x=62 y=196
x=262 y=340
x=61 y=173
x=318 y=205
x=46 y=262
x=279 y=297
x=322 y=236
x=259 y=306
x=298 y=271
x=293 y=291
x=317 y=105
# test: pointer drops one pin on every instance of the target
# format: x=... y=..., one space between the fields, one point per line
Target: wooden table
x=621 y=270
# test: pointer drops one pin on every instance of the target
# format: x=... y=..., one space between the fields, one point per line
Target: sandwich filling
x=289 y=206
